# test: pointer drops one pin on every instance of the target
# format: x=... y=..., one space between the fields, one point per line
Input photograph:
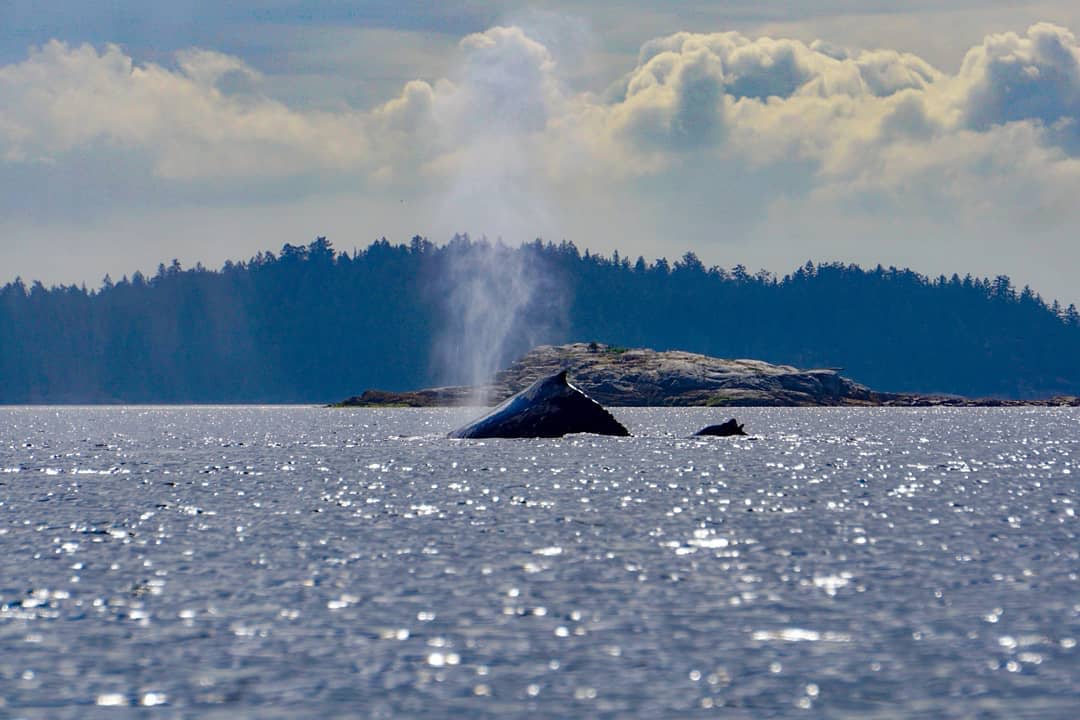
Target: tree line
x=312 y=324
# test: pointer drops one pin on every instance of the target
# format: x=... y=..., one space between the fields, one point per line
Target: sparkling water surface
x=305 y=562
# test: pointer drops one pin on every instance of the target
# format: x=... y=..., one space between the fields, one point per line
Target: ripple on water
x=290 y=561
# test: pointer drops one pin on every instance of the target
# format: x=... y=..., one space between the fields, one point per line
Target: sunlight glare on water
x=283 y=562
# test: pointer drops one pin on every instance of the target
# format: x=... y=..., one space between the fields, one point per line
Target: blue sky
x=944 y=139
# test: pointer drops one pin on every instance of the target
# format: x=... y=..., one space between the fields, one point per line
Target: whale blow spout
x=550 y=407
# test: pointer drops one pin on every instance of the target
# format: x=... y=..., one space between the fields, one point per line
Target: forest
x=311 y=324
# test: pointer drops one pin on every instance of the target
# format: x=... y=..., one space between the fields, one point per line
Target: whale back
x=550 y=407
x=725 y=429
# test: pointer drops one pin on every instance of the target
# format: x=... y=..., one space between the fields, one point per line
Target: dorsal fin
x=550 y=407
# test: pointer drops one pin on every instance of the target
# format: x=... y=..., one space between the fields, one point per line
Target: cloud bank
x=790 y=138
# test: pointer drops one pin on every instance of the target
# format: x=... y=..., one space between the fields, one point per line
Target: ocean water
x=272 y=562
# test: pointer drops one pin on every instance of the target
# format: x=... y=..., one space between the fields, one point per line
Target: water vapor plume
x=499 y=300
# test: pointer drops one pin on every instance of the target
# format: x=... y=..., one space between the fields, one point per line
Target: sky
x=944 y=137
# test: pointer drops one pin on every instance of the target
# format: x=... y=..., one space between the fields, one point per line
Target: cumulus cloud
x=766 y=67
x=508 y=81
x=768 y=122
x=765 y=99
x=755 y=150
x=211 y=115
x=490 y=135
x=1033 y=78
x=1036 y=77
x=204 y=119
x=674 y=100
x=723 y=95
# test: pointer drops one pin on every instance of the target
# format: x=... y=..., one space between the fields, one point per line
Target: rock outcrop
x=641 y=377
x=452 y=396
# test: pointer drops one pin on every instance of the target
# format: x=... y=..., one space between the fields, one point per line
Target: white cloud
x=877 y=126
x=508 y=84
x=762 y=100
x=203 y=120
x=1031 y=78
x=779 y=127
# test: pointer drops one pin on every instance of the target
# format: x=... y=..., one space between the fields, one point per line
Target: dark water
x=299 y=562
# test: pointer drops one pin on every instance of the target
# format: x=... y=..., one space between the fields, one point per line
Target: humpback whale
x=550 y=407
x=726 y=429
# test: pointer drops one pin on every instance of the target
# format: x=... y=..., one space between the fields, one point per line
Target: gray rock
x=641 y=377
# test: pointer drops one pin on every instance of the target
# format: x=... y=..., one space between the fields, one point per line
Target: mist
x=497 y=302
x=499 y=299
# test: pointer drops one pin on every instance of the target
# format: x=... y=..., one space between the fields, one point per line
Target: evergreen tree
x=312 y=324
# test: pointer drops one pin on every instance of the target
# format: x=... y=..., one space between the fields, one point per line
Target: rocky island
x=615 y=376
